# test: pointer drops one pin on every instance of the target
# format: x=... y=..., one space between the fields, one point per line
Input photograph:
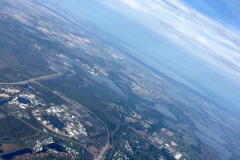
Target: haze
x=193 y=43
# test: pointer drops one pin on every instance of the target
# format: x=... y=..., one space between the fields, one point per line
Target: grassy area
x=188 y=140
x=15 y=129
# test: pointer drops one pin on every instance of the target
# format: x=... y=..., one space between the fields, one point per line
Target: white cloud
x=191 y=30
x=203 y=53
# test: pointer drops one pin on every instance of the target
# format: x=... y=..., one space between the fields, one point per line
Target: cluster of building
x=9 y=90
x=128 y=147
x=145 y=124
x=71 y=153
x=27 y=97
x=43 y=155
x=136 y=117
x=4 y=95
x=129 y=119
x=94 y=71
x=67 y=155
x=72 y=126
x=5 y=92
x=70 y=150
x=39 y=145
x=161 y=140
x=24 y=157
x=120 y=156
x=32 y=99
x=15 y=101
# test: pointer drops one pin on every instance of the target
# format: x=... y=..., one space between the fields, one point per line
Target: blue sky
x=224 y=11
x=194 y=42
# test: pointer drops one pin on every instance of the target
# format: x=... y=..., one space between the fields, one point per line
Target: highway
x=101 y=155
x=33 y=79
x=105 y=148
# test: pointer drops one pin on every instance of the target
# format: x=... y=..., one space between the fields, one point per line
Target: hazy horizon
x=176 y=38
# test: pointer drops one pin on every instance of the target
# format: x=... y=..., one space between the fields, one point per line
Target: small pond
x=17 y=153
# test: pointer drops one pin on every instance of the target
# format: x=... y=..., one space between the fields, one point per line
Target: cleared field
x=8 y=147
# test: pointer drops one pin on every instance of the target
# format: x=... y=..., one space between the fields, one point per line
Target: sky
x=194 y=42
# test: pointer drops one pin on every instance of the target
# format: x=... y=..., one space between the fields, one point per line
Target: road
x=34 y=79
x=48 y=133
x=107 y=145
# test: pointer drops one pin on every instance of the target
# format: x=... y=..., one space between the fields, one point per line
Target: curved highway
x=34 y=79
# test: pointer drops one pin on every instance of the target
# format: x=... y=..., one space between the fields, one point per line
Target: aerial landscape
x=119 y=80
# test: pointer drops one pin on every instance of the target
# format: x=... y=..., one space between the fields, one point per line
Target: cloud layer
x=211 y=50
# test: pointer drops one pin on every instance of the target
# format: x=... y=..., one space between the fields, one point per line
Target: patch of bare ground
x=9 y=147
x=208 y=153
x=93 y=150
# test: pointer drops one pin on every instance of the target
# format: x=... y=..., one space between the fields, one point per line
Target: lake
x=55 y=146
x=3 y=102
x=25 y=85
x=165 y=111
x=54 y=121
x=178 y=97
x=6 y=139
x=109 y=82
x=215 y=117
x=169 y=124
x=17 y=153
x=223 y=152
x=23 y=100
x=211 y=131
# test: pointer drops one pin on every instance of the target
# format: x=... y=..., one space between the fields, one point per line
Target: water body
x=213 y=132
x=223 y=152
x=6 y=139
x=23 y=100
x=17 y=153
x=54 y=121
x=178 y=97
x=3 y=102
x=169 y=124
x=110 y=83
x=165 y=111
x=55 y=146
x=3 y=77
x=25 y=85
x=215 y=117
